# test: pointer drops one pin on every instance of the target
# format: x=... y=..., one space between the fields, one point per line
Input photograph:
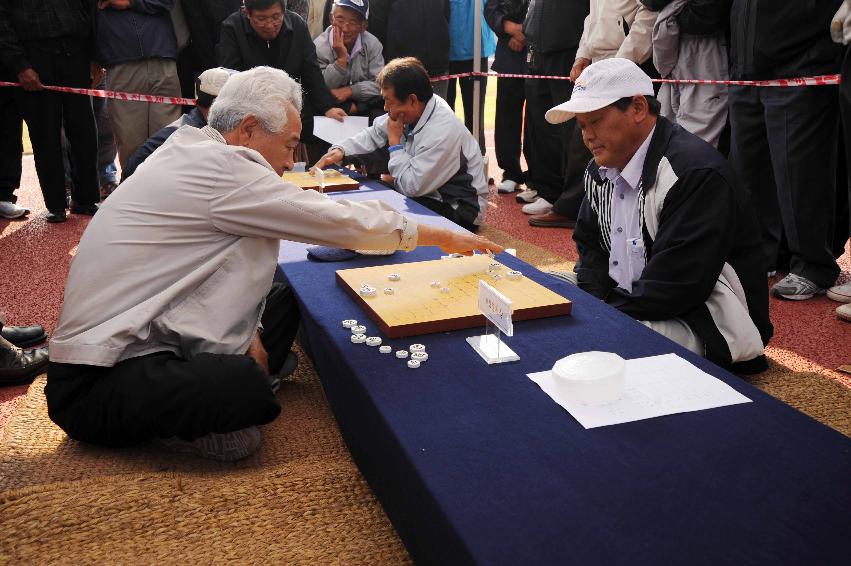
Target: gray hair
x=262 y=92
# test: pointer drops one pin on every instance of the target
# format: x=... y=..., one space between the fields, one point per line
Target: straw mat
x=299 y=500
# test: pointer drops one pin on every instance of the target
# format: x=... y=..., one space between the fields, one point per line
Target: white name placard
x=496 y=307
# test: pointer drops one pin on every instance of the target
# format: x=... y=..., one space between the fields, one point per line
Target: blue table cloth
x=475 y=464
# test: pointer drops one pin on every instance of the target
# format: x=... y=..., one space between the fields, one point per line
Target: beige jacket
x=182 y=255
x=604 y=37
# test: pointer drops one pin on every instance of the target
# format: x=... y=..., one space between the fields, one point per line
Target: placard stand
x=491 y=347
x=497 y=310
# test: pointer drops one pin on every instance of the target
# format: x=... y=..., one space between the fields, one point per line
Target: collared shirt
x=626 y=258
x=189 y=246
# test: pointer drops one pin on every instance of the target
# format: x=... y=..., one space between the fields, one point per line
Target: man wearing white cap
x=664 y=233
x=207 y=87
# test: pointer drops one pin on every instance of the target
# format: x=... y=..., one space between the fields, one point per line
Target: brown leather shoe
x=552 y=220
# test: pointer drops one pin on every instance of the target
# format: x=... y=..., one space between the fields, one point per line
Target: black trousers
x=783 y=148
x=11 y=147
x=163 y=395
x=508 y=129
x=547 y=144
x=61 y=63
x=456 y=67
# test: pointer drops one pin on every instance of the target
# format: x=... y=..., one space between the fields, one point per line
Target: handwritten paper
x=655 y=386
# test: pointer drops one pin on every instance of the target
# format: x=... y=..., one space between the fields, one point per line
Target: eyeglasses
x=264 y=20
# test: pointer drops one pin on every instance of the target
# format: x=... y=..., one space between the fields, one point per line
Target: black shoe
x=23 y=336
x=85 y=209
x=20 y=366
x=56 y=216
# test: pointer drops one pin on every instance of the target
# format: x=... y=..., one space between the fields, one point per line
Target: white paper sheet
x=333 y=131
x=655 y=386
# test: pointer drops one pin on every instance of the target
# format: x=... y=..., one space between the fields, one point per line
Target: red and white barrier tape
x=130 y=96
x=821 y=80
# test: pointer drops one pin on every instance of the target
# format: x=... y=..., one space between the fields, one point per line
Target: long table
x=474 y=464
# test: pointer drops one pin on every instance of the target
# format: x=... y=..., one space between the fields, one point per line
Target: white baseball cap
x=212 y=80
x=601 y=84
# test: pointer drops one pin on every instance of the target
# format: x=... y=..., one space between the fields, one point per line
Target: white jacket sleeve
x=584 y=51
x=638 y=45
x=370 y=139
x=432 y=166
x=264 y=206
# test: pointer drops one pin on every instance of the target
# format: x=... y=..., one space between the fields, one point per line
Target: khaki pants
x=134 y=122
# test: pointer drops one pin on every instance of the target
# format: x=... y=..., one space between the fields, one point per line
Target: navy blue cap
x=359 y=6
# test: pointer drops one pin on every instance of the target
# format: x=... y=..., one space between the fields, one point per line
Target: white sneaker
x=540 y=206
x=12 y=210
x=529 y=195
x=840 y=293
x=226 y=447
x=507 y=186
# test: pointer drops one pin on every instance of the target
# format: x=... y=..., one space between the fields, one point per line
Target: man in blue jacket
x=135 y=41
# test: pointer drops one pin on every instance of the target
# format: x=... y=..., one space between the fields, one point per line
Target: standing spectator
x=396 y=22
x=506 y=17
x=690 y=42
x=461 y=24
x=317 y=16
x=204 y=18
x=11 y=151
x=790 y=132
x=552 y=29
x=107 y=152
x=350 y=58
x=49 y=43
x=264 y=33
x=840 y=31
x=207 y=88
x=613 y=28
x=137 y=45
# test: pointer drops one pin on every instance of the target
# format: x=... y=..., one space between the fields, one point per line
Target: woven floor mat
x=309 y=512
x=35 y=451
x=299 y=499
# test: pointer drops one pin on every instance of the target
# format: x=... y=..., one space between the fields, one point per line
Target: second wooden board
x=334 y=181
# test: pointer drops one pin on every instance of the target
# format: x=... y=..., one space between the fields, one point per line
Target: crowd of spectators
x=789 y=147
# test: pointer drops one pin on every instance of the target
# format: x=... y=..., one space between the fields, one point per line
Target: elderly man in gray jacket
x=169 y=329
x=433 y=157
x=350 y=58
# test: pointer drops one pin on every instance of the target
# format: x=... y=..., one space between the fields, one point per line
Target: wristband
x=393 y=148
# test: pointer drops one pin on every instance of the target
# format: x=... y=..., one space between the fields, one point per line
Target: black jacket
x=496 y=12
x=706 y=220
x=699 y=17
x=413 y=28
x=204 y=19
x=292 y=51
x=782 y=38
x=555 y=25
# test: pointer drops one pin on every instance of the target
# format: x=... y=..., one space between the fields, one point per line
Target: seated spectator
x=19 y=366
x=433 y=157
x=171 y=348
x=265 y=33
x=207 y=88
x=664 y=233
x=350 y=58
